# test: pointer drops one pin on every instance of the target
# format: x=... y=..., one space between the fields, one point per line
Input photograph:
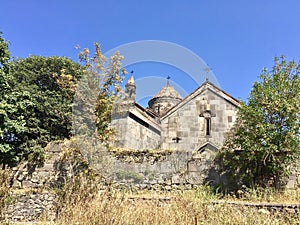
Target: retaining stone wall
x=31 y=205
x=32 y=195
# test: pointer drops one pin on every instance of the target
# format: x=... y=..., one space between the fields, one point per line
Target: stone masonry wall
x=158 y=170
x=133 y=135
x=32 y=194
x=31 y=205
x=26 y=176
x=189 y=125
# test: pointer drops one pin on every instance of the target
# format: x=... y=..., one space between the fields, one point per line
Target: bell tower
x=130 y=89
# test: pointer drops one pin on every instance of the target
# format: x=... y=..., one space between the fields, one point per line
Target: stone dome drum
x=164 y=100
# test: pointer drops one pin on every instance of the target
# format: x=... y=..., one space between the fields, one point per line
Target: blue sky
x=236 y=38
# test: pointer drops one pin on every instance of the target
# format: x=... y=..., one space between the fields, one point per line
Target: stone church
x=195 y=123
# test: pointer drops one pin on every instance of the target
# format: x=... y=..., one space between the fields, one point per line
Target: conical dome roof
x=165 y=99
x=131 y=80
x=168 y=91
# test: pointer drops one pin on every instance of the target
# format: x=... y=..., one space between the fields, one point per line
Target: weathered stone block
x=292 y=182
x=178 y=179
x=193 y=166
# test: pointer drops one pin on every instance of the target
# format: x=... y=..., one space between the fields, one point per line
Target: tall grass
x=81 y=202
x=4 y=190
x=182 y=207
x=115 y=208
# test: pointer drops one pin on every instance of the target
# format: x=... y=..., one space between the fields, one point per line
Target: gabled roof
x=146 y=115
x=205 y=86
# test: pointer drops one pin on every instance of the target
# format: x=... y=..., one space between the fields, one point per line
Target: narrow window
x=208 y=126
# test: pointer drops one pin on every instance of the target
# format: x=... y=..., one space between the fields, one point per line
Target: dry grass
x=4 y=190
x=82 y=203
x=263 y=195
x=188 y=207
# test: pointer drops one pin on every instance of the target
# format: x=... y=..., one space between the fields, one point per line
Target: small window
x=229 y=119
x=208 y=126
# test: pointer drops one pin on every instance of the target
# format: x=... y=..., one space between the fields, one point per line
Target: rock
x=188 y=186
x=264 y=211
x=35 y=180
x=168 y=188
x=168 y=182
x=27 y=184
x=17 y=184
x=178 y=179
x=290 y=210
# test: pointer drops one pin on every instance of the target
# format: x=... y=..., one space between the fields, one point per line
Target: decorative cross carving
x=176 y=139
x=207 y=114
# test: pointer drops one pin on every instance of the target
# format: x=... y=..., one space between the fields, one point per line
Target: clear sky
x=236 y=38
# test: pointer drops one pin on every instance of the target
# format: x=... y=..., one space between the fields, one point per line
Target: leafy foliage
x=264 y=143
x=4 y=51
x=6 y=122
x=96 y=94
x=36 y=101
x=35 y=106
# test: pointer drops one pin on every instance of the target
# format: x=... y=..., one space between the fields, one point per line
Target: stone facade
x=136 y=129
x=173 y=123
x=192 y=128
x=202 y=117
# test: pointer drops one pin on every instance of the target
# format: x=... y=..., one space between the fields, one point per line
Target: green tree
x=8 y=123
x=36 y=106
x=264 y=144
x=93 y=104
x=4 y=51
x=97 y=92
